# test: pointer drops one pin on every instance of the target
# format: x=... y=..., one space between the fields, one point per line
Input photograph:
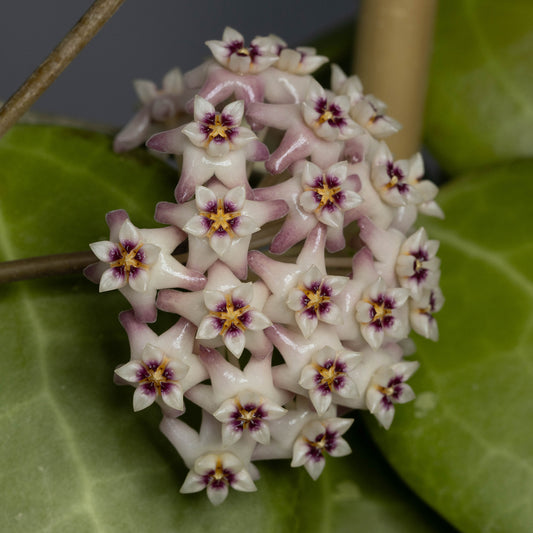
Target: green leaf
x=74 y=455
x=480 y=99
x=466 y=444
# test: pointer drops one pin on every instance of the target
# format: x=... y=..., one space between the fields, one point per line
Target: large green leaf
x=466 y=445
x=480 y=100
x=74 y=455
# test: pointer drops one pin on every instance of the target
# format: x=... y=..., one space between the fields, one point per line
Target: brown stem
x=41 y=78
x=393 y=50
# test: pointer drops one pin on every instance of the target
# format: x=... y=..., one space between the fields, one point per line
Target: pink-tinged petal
x=173 y=396
x=139 y=280
x=112 y=279
x=236 y=197
x=105 y=250
x=173 y=81
x=146 y=90
x=309 y=202
x=258 y=321
x=142 y=398
x=333 y=217
x=220 y=243
x=194 y=133
x=256 y=151
x=341 y=449
x=218 y=150
x=307 y=323
x=313 y=250
x=196 y=226
x=235 y=110
x=299 y=452
x=168 y=142
x=406 y=395
x=213 y=299
x=230 y=435
x=235 y=342
x=130 y=371
x=134 y=132
x=193 y=483
x=246 y=226
x=204 y=198
x=405 y=369
x=315 y=467
x=321 y=399
x=348 y=389
x=373 y=336
x=295 y=300
x=208 y=328
x=129 y=233
x=332 y=315
x=294 y=229
x=243 y=292
x=203 y=109
x=295 y=145
x=308 y=377
x=243 y=482
x=274 y=273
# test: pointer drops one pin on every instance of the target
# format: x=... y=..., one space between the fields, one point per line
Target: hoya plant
x=277 y=340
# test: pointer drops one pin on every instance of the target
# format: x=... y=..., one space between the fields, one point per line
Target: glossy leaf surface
x=480 y=101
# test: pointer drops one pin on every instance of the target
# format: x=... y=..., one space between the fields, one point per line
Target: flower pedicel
x=341 y=335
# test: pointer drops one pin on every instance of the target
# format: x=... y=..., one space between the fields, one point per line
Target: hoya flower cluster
x=280 y=330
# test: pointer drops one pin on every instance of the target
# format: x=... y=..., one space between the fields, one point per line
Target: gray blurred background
x=144 y=39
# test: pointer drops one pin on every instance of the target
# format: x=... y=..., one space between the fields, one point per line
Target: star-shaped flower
x=213 y=466
x=232 y=53
x=159 y=106
x=227 y=312
x=317 y=127
x=318 y=438
x=138 y=262
x=220 y=224
x=162 y=367
x=421 y=311
x=417 y=266
x=387 y=388
x=315 y=196
x=382 y=313
x=214 y=145
x=318 y=367
x=302 y=293
x=244 y=401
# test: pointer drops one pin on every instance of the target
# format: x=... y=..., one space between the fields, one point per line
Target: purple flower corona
x=315 y=253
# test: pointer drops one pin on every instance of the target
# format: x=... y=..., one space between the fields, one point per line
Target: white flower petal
x=306 y=323
x=128 y=233
x=243 y=293
x=308 y=201
x=208 y=328
x=106 y=251
x=193 y=483
x=202 y=108
x=243 y=482
x=204 y=198
x=258 y=321
x=130 y=371
x=217 y=495
x=341 y=449
x=220 y=243
x=235 y=110
x=112 y=279
x=173 y=396
x=315 y=467
x=235 y=342
x=308 y=377
x=320 y=399
x=139 y=280
x=261 y=434
x=196 y=226
x=142 y=398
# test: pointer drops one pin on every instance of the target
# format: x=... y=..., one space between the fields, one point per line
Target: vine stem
x=62 y=55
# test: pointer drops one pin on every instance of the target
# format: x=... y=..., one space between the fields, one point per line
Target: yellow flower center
x=217 y=130
x=329 y=375
x=327 y=194
x=315 y=299
x=324 y=117
x=128 y=261
x=220 y=219
x=157 y=376
x=231 y=316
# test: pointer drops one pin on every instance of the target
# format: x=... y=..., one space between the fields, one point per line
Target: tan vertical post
x=393 y=49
